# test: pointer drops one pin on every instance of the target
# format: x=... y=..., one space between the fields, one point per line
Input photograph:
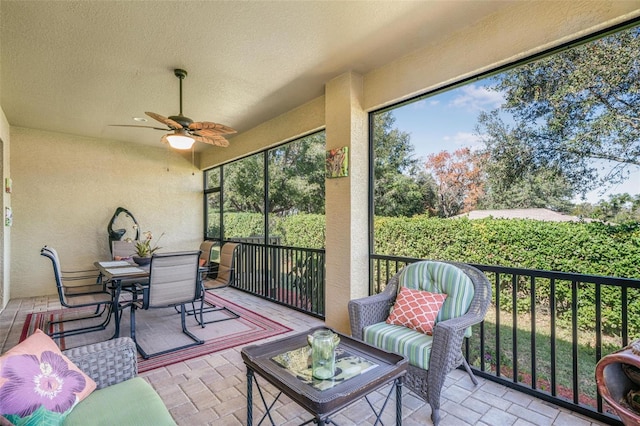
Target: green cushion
x=132 y=402
x=439 y=277
x=405 y=341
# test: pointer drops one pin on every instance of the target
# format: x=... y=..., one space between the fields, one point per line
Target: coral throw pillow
x=416 y=309
x=38 y=384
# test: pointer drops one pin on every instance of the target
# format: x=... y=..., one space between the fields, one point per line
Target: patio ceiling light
x=180 y=140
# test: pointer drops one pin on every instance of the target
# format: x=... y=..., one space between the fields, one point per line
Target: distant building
x=535 y=214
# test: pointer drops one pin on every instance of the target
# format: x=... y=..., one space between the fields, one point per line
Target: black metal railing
x=543 y=335
x=291 y=276
x=545 y=331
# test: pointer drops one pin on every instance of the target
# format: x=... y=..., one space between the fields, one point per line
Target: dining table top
x=119 y=269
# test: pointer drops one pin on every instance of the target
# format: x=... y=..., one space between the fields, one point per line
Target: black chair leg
x=146 y=355
x=98 y=313
x=215 y=308
x=211 y=308
x=89 y=329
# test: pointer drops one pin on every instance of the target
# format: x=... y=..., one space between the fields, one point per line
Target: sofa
x=119 y=396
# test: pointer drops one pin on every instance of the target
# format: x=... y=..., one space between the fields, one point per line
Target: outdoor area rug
x=160 y=329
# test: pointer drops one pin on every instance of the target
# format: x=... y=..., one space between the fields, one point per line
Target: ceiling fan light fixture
x=180 y=140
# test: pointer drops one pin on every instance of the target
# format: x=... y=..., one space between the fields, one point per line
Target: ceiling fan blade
x=169 y=122
x=142 y=127
x=205 y=132
x=218 y=128
x=212 y=140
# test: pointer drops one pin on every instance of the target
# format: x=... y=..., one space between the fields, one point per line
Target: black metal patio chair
x=79 y=289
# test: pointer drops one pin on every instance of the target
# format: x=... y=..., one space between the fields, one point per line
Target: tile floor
x=211 y=390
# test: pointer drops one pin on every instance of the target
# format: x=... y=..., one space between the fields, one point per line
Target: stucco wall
x=66 y=188
x=5 y=233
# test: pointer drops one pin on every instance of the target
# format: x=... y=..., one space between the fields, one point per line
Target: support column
x=347 y=244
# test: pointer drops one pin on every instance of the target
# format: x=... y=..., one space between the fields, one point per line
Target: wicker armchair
x=107 y=363
x=120 y=397
x=441 y=352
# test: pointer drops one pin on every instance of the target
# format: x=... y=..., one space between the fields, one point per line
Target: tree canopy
x=402 y=187
x=460 y=179
x=576 y=113
x=296 y=179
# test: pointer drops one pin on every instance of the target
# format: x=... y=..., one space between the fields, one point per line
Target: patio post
x=347 y=244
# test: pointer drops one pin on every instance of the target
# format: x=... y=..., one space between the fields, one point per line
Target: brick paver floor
x=211 y=390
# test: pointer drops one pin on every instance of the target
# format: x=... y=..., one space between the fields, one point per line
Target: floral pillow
x=416 y=309
x=38 y=384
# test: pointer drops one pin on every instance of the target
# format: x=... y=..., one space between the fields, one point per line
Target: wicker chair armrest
x=107 y=363
x=372 y=309
x=447 y=342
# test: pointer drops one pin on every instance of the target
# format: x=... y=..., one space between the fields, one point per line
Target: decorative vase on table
x=142 y=261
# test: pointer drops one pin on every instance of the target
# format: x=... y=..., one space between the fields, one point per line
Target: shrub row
x=585 y=248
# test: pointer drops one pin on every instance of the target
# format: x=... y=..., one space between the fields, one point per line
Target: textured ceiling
x=77 y=66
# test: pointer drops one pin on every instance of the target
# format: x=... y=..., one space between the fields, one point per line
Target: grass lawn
x=539 y=344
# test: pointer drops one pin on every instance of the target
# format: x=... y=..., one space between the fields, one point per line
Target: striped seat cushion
x=414 y=345
x=439 y=277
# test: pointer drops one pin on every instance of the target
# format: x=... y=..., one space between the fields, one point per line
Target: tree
x=514 y=179
x=579 y=110
x=297 y=176
x=618 y=208
x=296 y=179
x=401 y=188
x=460 y=180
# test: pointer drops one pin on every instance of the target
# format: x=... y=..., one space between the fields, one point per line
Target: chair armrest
x=372 y=309
x=107 y=363
x=447 y=341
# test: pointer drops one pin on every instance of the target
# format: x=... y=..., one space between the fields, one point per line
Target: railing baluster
x=598 y=327
x=534 y=377
x=552 y=311
x=574 y=338
x=498 y=338
x=514 y=326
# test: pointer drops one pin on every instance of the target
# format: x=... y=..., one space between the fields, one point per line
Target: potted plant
x=144 y=250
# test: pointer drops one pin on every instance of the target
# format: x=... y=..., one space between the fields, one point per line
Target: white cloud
x=464 y=139
x=476 y=98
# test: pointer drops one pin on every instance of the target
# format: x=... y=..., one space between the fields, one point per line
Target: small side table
x=361 y=369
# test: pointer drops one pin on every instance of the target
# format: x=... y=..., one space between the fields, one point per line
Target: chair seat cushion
x=132 y=402
x=414 y=345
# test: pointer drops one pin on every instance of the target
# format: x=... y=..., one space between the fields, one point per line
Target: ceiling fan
x=184 y=130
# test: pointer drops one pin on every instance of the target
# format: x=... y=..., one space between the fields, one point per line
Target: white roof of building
x=535 y=214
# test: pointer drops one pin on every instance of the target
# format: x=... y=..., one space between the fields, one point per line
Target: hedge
x=586 y=248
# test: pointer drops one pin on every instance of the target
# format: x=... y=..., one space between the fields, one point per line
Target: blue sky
x=447 y=122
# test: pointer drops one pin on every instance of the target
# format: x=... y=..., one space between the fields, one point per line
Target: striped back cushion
x=439 y=277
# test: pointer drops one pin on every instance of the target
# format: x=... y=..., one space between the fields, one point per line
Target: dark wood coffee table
x=286 y=364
